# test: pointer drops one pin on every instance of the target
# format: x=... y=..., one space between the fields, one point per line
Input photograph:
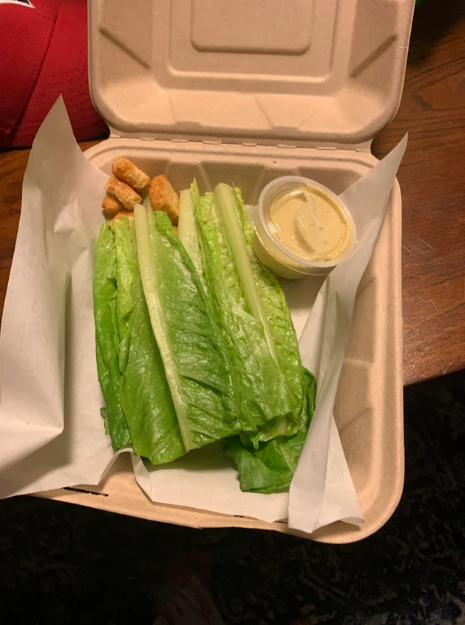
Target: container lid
x=313 y=71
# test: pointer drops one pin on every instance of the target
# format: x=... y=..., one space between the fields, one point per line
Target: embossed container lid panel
x=311 y=71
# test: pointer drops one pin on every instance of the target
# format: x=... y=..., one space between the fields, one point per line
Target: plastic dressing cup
x=302 y=228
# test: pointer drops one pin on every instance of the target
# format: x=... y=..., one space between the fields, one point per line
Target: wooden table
x=432 y=179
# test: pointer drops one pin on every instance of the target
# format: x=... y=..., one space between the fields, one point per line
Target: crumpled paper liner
x=51 y=430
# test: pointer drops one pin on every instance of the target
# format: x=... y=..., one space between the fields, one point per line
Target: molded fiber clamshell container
x=245 y=92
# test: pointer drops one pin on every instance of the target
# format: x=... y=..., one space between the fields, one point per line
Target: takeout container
x=244 y=93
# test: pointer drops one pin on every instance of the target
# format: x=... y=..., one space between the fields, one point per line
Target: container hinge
x=249 y=143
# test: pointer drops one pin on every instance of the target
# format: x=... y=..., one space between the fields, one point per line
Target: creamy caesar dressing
x=311 y=224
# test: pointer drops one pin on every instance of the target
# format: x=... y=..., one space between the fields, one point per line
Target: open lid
x=276 y=71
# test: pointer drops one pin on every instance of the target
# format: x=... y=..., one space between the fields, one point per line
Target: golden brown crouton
x=127 y=172
x=164 y=198
x=111 y=206
x=123 y=192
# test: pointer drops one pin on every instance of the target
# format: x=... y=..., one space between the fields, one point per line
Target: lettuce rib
x=225 y=201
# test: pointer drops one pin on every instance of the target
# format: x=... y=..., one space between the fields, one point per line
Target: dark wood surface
x=432 y=178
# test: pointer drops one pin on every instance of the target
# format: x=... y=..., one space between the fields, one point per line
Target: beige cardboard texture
x=314 y=71
x=245 y=92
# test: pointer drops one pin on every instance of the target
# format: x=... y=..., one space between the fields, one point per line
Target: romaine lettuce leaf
x=145 y=393
x=191 y=345
x=144 y=390
x=234 y=240
x=125 y=272
x=264 y=391
x=269 y=469
x=107 y=336
x=279 y=321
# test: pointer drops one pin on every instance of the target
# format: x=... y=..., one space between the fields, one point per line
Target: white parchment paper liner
x=51 y=431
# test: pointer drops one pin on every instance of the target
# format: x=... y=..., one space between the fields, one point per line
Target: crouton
x=127 y=172
x=123 y=192
x=111 y=206
x=164 y=198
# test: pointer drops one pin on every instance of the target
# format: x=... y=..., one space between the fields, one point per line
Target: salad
x=194 y=339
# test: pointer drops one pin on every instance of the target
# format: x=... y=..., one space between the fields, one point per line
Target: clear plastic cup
x=273 y=253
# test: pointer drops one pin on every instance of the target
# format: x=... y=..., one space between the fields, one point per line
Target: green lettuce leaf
x=145 y=393
x=269 y=469
x=144 y=390
x=125 y=272
x=107 y=336
x=280 y=325
x=191 y=345
x=264 y=390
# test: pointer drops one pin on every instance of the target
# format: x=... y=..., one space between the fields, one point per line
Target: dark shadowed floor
x=63 y=564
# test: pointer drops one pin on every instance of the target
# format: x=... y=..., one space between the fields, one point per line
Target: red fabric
x=43 y=53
